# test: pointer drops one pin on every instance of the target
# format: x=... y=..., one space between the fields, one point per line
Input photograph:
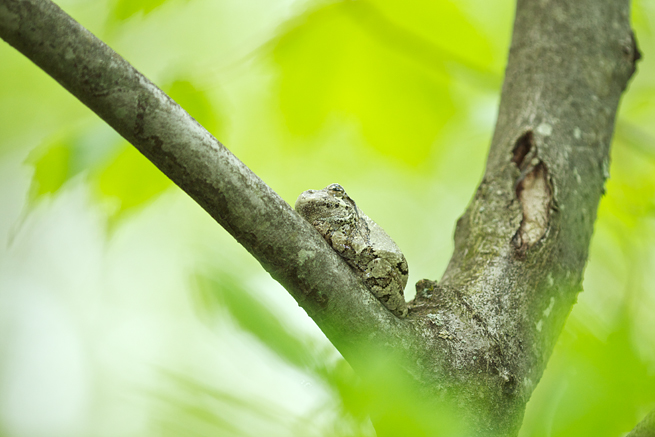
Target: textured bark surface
x=481 y=337
x=521 y=246
x=645 y=428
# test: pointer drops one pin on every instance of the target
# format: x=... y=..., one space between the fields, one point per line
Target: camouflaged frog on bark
x=360 y=241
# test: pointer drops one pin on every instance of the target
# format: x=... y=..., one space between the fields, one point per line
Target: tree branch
x=645 y=428
x=286 y=245
x=483 y=335
x=521 y=246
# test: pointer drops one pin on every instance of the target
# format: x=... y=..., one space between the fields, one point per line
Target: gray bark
x=480 y=337
x=521 y=246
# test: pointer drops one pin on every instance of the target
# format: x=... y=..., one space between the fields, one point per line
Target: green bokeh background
x=126 y=311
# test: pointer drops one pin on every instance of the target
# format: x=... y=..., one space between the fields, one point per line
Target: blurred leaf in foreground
x=221 y=291
x=386 y=394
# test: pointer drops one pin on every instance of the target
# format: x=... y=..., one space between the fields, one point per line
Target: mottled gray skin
x=360 y=241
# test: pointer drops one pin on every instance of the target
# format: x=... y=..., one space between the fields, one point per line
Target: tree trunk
x=481 y=337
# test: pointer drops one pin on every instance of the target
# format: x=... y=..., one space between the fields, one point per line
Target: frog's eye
x=336 y=187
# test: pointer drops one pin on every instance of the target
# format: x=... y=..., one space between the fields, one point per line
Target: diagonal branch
x=286 y=245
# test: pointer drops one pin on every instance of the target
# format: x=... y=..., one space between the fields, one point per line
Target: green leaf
x=52 y=163
x=124 y=9
x=197 y=103
x=426 y=28
x=131 y=179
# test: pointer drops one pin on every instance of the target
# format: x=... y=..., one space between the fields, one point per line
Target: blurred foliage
x=396 y=406
x=391 y=75
x=51 y=168
x=197 y=103
x=62 y=158
x=312 y=92
x=594 y=387
x=145 y=181
x=124 y=9
x=224 y=292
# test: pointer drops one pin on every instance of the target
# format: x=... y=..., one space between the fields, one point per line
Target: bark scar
x=533 y=192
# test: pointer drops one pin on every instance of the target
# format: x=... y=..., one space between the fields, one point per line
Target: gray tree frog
x=360 y=241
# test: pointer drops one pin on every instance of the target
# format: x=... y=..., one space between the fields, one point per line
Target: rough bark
x=482 y=336
x=521 y=246
x=645 y=428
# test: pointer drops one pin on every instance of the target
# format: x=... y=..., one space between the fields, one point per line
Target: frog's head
x=330 y=203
